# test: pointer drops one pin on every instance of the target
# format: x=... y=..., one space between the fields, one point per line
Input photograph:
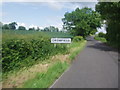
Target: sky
x=41 y=14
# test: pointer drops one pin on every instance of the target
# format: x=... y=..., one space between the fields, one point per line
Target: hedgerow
x=77 y=38
x=18 y=53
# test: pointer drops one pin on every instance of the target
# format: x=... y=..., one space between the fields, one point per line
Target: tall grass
x=45 y=79
x=102 y=39
x=76 y=47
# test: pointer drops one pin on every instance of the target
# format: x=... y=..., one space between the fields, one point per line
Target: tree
x=12 y=25
x=46 y=29
x=81 y=21
x=5 y=26
x=57 y=30
x=110 y=13
x=21 y=28
x=38 y=29
x=31 y=29
x=101 y=34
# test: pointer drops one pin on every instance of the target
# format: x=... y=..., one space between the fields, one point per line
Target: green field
x=17 y=33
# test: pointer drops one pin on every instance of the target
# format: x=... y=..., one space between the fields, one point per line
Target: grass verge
x=100 y=39
x=112 y=45
x=45 y=79
x=76 y=48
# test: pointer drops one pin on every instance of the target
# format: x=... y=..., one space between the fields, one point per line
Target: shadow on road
x=102 y=47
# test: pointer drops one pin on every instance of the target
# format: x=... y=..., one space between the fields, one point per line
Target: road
x=95 y=67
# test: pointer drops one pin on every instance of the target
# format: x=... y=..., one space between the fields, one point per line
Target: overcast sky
x=42 y=14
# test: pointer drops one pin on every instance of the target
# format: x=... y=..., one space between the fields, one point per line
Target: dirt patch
x=61 y=58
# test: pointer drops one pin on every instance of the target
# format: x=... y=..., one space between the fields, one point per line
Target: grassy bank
x=76 y=47
x=45 y=79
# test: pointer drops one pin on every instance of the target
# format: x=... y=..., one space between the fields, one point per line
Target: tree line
x=13 y=26
x=111 y=17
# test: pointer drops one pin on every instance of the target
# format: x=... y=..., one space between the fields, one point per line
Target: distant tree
x=21 y=28
x=31 y=29
x=5 y=26
x=12 y=25
x=53 y=29
x=57 y=30
x=38 y=29
x=46 y=29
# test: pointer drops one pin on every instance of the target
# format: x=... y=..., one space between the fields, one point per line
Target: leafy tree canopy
x=12 y=25
x=82 y=21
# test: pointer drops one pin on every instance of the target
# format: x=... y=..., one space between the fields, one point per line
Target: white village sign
x=60 y=40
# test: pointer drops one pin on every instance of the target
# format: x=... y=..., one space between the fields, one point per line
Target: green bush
x=102 y=39
x=19 y=53
x=77 y=38
x=101 y=34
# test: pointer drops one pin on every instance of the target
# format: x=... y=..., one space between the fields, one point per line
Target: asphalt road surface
x=95 y=67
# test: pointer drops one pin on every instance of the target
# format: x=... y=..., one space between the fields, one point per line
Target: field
x=25 y=32
x=23 y=52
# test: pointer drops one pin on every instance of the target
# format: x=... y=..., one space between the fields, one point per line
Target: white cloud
x=1 y=11
x=55 y=5
x=102 y=29
x=54 y=21
x=18 y=24
x=69 y=5
x=26 y=26
x=31 y=26
x=6 y=22
x=35 y=26
x=21 y=24
x=50 y=0
x=41 y=27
